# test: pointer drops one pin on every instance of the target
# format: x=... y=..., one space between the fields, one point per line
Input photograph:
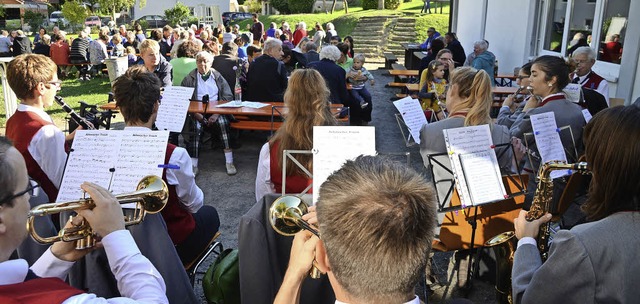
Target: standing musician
x=594 y=262
x=370 y=263
x=191 y=224
x=138 y=279
x=35 y=81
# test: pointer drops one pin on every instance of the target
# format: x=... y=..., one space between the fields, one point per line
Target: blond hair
x=149 y=44
x=474 y=89
x=307 y=100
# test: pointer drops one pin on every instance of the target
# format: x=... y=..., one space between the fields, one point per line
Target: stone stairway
x=402 y=30
x=376 y=35
x=369 y=35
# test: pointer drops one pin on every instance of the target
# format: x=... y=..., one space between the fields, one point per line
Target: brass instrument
x=151 y=197
x=285 y=216
x=505 y=244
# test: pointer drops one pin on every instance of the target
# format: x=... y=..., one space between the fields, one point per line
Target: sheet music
x=333 y=146
x=587 y=115
x=573 y=92
x=547 y=136
x=115 y=160
x=412 y=115
x=173 y=108
x=477 y=144
x=481 y=177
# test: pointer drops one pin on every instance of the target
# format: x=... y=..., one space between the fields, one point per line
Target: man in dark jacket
x=267 y=76
x=456 y=48
x=21 y=44
x=311 y=49
x=333 y=74
x=225 y=63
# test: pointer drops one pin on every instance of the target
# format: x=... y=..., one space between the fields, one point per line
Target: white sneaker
x=231 y=169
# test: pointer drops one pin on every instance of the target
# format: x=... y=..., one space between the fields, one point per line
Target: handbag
x=221 y=283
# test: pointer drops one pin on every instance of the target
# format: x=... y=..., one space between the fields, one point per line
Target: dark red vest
x=180 y=222
x=21 y=127
x=593 y=81
x=40 y=291
x=295 y=183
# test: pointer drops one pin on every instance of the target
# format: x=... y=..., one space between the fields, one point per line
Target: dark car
x=229 y=17
x=153 y=21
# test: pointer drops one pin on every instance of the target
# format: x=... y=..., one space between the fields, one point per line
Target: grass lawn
x=95 y=91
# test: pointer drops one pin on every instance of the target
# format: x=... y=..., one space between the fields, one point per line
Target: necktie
x=576 y=80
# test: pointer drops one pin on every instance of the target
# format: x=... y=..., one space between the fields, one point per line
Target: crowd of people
x=373 y=263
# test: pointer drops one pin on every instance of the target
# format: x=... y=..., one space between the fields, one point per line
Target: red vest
x=180 y=222
x=21 y=127
x=593 y=81
x=41 y=291
x=295 y=183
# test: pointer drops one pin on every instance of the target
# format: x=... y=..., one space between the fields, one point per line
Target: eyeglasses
x=32 y=189
x=57 y=83
x=520 y=77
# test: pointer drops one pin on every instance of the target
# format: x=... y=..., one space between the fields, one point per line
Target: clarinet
x=76 y=118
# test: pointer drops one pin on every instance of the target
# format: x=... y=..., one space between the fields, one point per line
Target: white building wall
x=157 y=7
x=508 y=31
x=470 y=22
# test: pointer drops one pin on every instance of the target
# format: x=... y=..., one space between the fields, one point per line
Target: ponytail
x=481 y=98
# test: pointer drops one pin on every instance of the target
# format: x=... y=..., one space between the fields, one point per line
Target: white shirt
x=603 y=86
x=208 y=87
x=189 y=194
x=263 y=176
x=47 y=147
x=138 y=280
x=228 y=37
x=415 y=300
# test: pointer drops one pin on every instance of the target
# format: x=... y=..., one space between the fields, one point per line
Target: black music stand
x=439 y=160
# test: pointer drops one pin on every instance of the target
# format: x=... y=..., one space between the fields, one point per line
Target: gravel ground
x=234 y=195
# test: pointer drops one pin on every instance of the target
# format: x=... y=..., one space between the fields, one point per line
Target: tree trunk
x=333 y=7
x=346 y=6
x=380 y=4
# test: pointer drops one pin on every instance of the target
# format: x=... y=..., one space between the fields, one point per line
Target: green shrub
x=281 y=5
x=369 y=4
x=35 y=20
x=177 y=14
x=391 y=4
x=301 y=6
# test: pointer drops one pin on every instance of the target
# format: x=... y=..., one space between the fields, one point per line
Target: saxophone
x=505 y=244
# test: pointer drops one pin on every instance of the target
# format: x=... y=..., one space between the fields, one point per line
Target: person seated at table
x=253 y=52
x=345 y=61
x=595 y=261
x=184 y=62
x=138 y=279
x=549 y=76
x=584 y=59
x=154 y=62
x=364 y=262
x=483 y=59
x=208 y=81
x=333 y=74
x=453 y=44
x=436 y=46
x=432 y=34
x=190 y=223
x=446 y=57
x=228 y=63
x=311 y=52
x=433 y=88
x=513 y=105
x=307 y=102
x=267 y=76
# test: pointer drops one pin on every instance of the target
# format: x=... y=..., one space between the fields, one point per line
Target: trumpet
x=151 y=196
x=285 y=216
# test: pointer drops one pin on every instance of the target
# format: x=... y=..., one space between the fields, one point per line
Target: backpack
x=221 y=283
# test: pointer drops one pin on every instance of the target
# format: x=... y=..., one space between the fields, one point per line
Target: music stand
x=436 y=160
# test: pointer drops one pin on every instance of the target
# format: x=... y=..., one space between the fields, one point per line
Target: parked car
x=153 y=21
x=57 y=18
x=93 y=21
x=228 y=17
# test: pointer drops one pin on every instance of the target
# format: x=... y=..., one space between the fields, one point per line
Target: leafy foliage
x=114 y=6
x=34 y=19
x=281 y=5
x=178 y=14
x=301 y=6
x=369 y=4
x=74 y=12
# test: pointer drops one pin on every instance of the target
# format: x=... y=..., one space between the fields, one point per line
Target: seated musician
x=208 y=81
x=307 y=100
x=35 y=81
x=191 y=224
x=512 y=106
x=595 y=262
x=549 y=75
x=364 y=263
x=138 y=279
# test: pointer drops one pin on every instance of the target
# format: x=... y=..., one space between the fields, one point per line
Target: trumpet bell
x=284 y=214
x=500 y=239
x=154 y=192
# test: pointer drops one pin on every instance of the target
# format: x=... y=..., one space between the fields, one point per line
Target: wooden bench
x=397 y=84
x=389 y=59
x=256 y=125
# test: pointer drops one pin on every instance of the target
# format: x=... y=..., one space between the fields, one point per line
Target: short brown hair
x=377 y=219
x=7 y=172
x=26 y=71
x=612 y=149
x=188 y=49
x=136 y=93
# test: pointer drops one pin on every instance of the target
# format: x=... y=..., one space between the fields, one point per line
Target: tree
x=115 y=6
x=34 y=19
x=178 y=14
x=74 y=12
x=346 y=6
x=3 y=12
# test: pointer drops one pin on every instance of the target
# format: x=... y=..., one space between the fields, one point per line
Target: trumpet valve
x=88 y=241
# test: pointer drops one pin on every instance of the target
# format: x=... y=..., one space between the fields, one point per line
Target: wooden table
x=410 y=73
x=419 y=55
x=409 y=61
x=506 y=80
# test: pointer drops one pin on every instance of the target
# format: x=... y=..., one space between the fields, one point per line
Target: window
x=614 y=26
x=554 y=32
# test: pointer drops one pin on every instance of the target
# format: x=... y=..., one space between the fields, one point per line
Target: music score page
x=333 y=146
x=474 y=165
x=412 y=115
x=173 y=108
x=547 y=136
x=114 y=159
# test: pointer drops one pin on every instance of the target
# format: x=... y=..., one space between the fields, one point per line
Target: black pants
x=207 y=224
